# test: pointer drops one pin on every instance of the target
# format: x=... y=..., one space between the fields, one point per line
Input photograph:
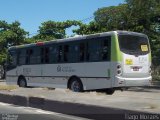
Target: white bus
x=107 y=61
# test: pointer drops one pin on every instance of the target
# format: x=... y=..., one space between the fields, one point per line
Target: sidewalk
x=135 y=99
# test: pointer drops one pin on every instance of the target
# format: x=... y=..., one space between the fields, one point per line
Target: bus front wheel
x=75 y=85
x=110 y=91
x=22 y=82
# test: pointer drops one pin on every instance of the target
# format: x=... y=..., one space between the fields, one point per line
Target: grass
x=155 y=77
x=8 y=87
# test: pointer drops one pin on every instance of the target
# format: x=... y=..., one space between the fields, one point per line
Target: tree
x=147 y=21
x=112 y=18
x=106 y=19
x=91 y=28
x=10 y=34
x=54 y=30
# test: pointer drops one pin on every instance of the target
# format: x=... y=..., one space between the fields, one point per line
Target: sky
x=31 y=13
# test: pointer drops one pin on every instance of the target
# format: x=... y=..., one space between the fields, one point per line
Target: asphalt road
x=12 y=112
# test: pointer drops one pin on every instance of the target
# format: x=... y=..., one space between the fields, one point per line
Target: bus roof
x=76 y=38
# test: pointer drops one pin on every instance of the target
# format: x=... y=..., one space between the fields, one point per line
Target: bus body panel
x=136 y=69
x=139 y=66
x=57 y=75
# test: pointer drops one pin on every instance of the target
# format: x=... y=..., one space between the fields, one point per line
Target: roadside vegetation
x=133 y=15
x=8 y=87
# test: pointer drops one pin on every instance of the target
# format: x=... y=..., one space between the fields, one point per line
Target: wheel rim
x=75 y=86
x=22 y=83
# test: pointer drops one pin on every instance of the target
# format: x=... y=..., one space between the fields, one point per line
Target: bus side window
x=73 y=54
x=60 y=53
x=21 y=57
x=46 y=54
x=81 y=51
x=36 y=57
x=12 y=58
x=53 y=54
x=65 y=55
x=27 y=56
x=42 y=55
x=92 y=50
x=106 y=48
x=87 y=52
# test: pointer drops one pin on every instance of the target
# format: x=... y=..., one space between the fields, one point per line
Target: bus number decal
x=144 y=48
x=129 y=62
x=65 y=69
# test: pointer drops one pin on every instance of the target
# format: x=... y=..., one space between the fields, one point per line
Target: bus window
x=60 y=53
x=52 y=54
x=42 y=55
x=12 y=58
x=87 y=52
x=27 y=57
x=93 y=50
x=47 y=55
x=32 y=56
x=81 y=51
x=73 y=54
x=106 y=49
x=133 y=45
x=21 y=57
x=66 y=50
x=37 y=55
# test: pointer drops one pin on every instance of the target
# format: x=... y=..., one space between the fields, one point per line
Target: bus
x=103 y=61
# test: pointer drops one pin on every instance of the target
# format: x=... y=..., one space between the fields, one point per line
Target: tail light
x=118 y=66
x=119 y=69
x=119 y=72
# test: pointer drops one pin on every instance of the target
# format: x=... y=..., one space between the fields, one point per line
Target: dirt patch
x=8 y=87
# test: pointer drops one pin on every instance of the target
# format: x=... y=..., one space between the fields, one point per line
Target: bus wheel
x=76 y=85
x=109 y=91
x=22 y=82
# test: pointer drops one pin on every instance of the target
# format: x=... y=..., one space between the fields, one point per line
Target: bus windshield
x=133 y=45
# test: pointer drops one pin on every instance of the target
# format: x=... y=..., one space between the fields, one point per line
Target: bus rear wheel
x=75 y=85
x=22 y=82
x=109 y=91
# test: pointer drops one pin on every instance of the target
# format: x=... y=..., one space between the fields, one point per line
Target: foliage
x=10 y=34
x=54 y=30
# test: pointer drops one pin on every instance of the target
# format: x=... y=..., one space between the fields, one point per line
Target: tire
x=22 y=82
x=76 y=85
x=109 y=91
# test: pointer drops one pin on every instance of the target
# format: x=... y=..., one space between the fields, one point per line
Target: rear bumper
x=129 y=82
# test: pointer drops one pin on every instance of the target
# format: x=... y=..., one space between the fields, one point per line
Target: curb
x=76 y=109
x=156 y=83
x=14 y=99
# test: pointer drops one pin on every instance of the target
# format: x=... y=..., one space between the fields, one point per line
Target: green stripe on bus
x=116 y=54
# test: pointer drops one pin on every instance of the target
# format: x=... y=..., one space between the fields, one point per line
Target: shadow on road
x=154 y=89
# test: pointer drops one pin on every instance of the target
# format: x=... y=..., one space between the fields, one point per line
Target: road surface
x=12 y=112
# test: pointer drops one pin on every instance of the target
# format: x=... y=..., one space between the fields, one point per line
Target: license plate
x=135 y=68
